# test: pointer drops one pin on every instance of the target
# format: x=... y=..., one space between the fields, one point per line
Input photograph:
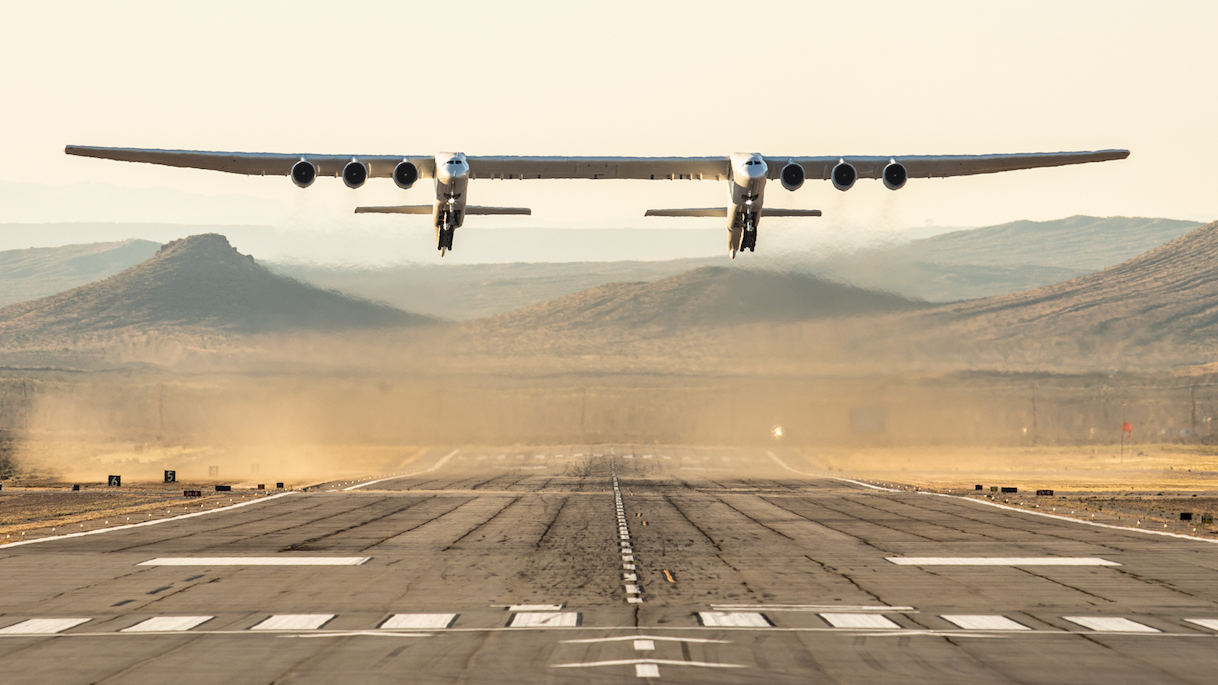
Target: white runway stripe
x=166 y=624
x=536 y=607
x=419 y=621
x=832 y=608
x=43 y=626
x=733 y=619
x=1110 y=624
x=255 y=561
x=1000 y=561
x=1211 y=623
x=983 y=622
x=858 y=621
x=294 y=622
x=545 y=619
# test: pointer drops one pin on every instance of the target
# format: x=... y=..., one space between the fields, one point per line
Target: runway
x=610 y=564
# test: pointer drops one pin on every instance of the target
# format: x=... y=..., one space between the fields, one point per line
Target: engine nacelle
x=895 y=176
x=844 y=175
x=304 y=173
x=405 y=174
x=355 y=173
x=792 y=176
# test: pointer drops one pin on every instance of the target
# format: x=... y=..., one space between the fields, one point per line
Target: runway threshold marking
x=294 y=622
x=1111 y=624
x=255 y=561
x=433 y=467
x=418 y=621
x=817 y=608
x=1211 y=623
x=99 y=531
x=536 y=607
x=734 y=619
x=1000 y=561
x=43 y=626
x=867 y=621
x=984 y=622
x=161 y=624
x=545 y=619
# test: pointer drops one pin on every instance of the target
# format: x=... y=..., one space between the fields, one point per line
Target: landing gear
x=748 y=241
x=446 y=225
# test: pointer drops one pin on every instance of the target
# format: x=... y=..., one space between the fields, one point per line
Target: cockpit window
x=454 y=161
x=752 y=162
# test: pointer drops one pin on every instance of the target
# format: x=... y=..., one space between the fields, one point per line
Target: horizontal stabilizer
x=470 y=209
x=720 y=212
x=427 y=209
x=398 y=209
x=766 y=211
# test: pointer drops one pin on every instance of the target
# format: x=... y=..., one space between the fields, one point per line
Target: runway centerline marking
x=1000 y=561
x=255 y=561
x=162 y=624
x=294 y=622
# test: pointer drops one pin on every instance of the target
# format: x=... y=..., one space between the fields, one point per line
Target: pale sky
x=623 y=78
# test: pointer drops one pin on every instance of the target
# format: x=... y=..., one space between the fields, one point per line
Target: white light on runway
x=162 y=624
x=980 y=622
x=1001 y=561
x=294 y=622
x=255 y=561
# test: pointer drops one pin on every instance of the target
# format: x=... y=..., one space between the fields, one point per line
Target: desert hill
x=196 y=282
x=1169 y=294
x=37 y=272
x=709 y=297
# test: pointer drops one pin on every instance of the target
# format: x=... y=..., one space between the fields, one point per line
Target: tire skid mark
x=550 y=525
x=360 y=524
x=480 y=525
x=399 y=533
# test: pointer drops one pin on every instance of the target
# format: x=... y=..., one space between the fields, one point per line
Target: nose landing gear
x=748 y=238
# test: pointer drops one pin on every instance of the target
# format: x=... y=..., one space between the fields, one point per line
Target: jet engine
x=844 y=175
x=895 y=176
x=304 y=173
x=792 y=176
x=405 y=174
x=355 y=173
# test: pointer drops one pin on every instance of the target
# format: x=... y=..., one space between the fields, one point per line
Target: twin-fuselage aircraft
x=746 y=174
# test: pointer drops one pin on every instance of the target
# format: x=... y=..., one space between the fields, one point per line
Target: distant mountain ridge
x=37 y=272
x=196 y=282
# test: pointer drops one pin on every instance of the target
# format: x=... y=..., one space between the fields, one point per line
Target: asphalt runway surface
x=610 y=565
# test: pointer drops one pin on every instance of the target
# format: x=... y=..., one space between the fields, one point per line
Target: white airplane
x=746 y=174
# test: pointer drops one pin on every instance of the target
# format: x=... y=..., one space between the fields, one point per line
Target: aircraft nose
x=755 y=171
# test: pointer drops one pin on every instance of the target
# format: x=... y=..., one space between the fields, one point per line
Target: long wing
x=255 y=163
x=653 y=168
x=942 y=166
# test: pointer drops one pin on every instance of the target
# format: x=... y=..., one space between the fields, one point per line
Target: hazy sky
x=623 y=78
